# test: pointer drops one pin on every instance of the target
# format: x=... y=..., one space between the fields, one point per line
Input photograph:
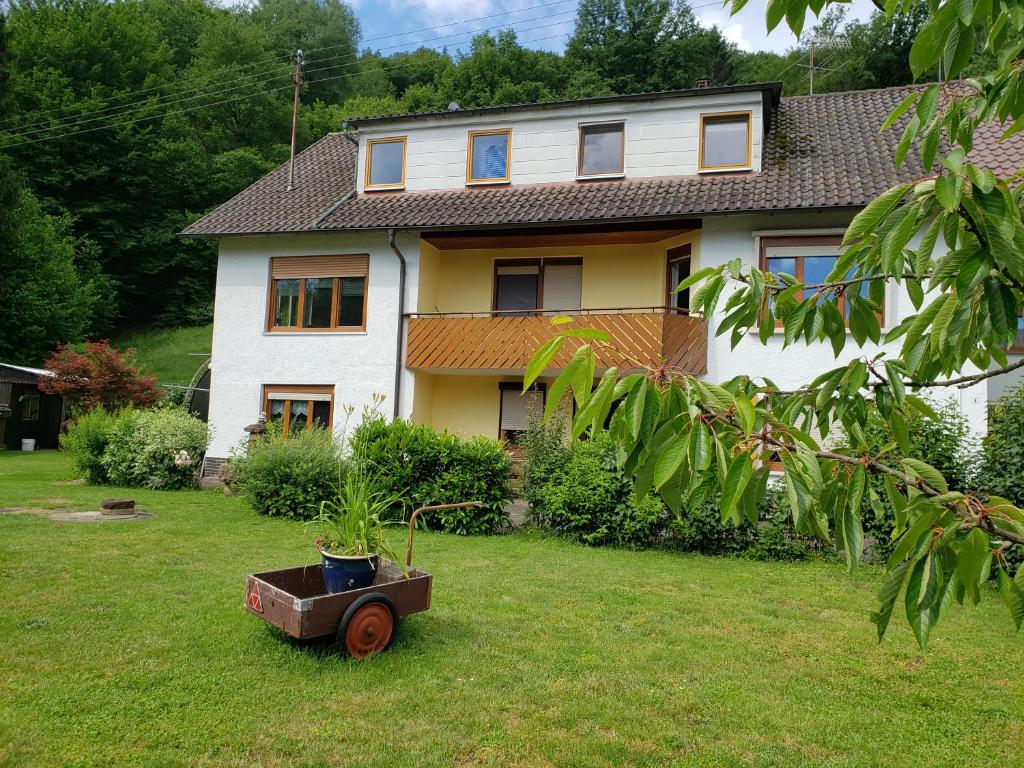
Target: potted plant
x=351 y=540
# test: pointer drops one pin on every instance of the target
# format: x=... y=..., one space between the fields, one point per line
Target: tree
x=98 y=376
x=690 y=439
x=646 y=45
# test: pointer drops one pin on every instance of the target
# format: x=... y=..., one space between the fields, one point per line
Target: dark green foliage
x=773 y=538
x=420 y=466
x=1001 y=468
x=85 y=441
x=577 y=491
x=287 y=477
x=161 y=448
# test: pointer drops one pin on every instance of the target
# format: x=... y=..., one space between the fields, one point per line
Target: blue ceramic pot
x=344 y=572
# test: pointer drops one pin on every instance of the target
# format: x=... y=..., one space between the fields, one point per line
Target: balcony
x=641 y=337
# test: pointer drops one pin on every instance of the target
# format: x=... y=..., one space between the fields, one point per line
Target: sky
x=394 y=25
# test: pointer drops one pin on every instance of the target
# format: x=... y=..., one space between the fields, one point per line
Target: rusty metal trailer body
x=296 y=600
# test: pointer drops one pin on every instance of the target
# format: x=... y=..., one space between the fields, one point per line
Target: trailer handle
x=432 y=508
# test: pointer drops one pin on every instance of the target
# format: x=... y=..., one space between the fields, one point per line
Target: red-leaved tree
x=97 y=374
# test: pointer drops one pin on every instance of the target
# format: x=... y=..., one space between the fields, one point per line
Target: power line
x=265 y=91
x=277 y=59
x=248 y=83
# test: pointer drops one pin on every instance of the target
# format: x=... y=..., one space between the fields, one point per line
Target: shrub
x=420 y=466
x=86 y=440
x=1001 y=464
x=155 y=449
x=576 y=490
x=773 y=538
x=288 y=476
x=98 y=375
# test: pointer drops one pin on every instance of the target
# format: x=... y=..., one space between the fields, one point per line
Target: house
x=25 y=412
x=422 y=257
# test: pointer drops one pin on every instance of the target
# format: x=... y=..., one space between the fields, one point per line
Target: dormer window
x=489 y=158
x=725 y=142
x=602 y=150
x=385 y=163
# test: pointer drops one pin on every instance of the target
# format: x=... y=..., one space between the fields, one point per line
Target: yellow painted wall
x=430 y=262
x=613 y=275
x=466 y=405
x=423 y=397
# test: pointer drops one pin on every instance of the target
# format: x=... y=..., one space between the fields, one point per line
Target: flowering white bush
x=156 y=449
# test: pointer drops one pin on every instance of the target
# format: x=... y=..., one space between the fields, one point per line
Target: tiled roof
x=823 y=151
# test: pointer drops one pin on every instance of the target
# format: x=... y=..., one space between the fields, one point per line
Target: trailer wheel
x=368 y=626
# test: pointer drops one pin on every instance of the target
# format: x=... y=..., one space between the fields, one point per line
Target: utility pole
x=295 y=118
x=810 y=66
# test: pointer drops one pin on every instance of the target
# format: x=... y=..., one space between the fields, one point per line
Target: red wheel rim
x=369 y=631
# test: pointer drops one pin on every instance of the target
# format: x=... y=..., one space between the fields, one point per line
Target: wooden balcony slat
x=507 y=342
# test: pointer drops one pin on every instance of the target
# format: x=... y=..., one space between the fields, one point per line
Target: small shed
x=25 y=412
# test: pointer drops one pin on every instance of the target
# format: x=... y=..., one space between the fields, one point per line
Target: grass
x=170 y=354
x=127 y=644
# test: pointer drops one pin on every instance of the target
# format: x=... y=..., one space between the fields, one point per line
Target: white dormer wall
x=661 y=135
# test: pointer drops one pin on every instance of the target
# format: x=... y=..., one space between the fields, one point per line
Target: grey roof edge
x=770 y=89
x=550 y=223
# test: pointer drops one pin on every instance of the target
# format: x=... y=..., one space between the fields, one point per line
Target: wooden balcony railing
x=505 y=341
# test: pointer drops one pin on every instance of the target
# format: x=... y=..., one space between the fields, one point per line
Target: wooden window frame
x=470 y=181
x=622 y=155
x=370 y=143
x=539 y=263
x=517 y=386
x=702 y=167
x=269 y=390
x=335 y=298
x=669 y=258
x=804 y=241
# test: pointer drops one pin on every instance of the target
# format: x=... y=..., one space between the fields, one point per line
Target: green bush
x=1001 y=464
x=161 y=448
x=288 y=476
x=773 y=538
x=86 y=440
x=577 y=491
x=420 y=466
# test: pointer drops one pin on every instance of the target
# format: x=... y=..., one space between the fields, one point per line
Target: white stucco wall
x=661 y=139
x=725 y=238
x=246 y=356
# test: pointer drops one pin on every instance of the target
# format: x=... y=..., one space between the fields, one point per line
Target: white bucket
x=28 y=444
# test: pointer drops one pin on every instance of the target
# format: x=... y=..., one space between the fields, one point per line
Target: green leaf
x=565 y=378
x=918 y=598
x=736 y=479
x=887 y=594
x=1013 y=595
x=668 y=463
x=928 y=473
x=972 y=562
x=593 y=334
x=696 y=277
x=867 y=220
x=595 y=410
x=540 y=360
x=901 y=108
x=947 y=191
x=745 y=414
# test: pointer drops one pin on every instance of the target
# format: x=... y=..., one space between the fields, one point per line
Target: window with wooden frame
x=489 y=157
x=524 y=286
x=385 y=163
x=602 y=150
x=518 y=408
x=299 y=406
x=678 y=269
x=318 y=293
x=808 y=258
x=726 y=141
x=30 y=404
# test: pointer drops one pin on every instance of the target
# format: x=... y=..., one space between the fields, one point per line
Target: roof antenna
x=295 y=118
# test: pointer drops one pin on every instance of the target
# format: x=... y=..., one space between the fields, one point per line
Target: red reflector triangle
x=253 y=598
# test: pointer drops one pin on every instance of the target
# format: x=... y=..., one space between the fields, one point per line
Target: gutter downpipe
x=401 y=318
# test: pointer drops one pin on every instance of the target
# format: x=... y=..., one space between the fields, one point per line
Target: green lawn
x=127 y=644
x=170 y=354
